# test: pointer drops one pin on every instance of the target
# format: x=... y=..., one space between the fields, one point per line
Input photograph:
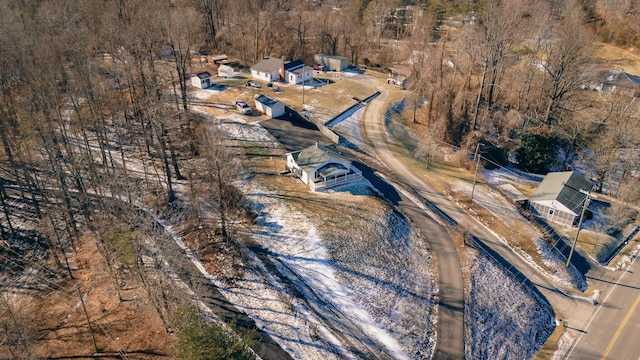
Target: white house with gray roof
x=267 y=69
x=560 y=197
x=322 y=167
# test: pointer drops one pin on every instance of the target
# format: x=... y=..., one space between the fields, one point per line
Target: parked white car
x=243 y=108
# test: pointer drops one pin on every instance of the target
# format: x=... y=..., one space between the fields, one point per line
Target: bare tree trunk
x=5 y=210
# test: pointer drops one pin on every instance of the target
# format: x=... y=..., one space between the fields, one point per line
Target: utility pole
x=584 y=209
x=475 y=174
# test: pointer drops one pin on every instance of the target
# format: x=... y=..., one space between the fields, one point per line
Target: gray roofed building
x=621 y=82
x=201 y=80
x=560 y=197
x=268 y=65
x=268 y=69
x=302 y=70
x=314 y=156
x=269 y=106
x=322 y=166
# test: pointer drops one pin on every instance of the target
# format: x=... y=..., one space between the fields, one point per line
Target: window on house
x=551 y=211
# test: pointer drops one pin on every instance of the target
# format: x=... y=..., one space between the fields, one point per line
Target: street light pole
x=584 y=209
x=475 y=174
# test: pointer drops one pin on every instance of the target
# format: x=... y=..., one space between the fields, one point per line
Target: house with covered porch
x=322 y=167
x=560 y=197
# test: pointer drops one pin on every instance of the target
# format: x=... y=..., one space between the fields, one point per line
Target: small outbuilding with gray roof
x=560 y=197
x=269 y=106
x=201 y=80
x=322 y=167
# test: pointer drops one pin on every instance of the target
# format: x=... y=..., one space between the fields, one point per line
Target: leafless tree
x=567 y=57
x=498 y=25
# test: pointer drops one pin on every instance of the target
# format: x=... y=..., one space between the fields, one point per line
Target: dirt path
x=450 y=342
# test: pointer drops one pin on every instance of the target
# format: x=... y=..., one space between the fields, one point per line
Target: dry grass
x=331 y=99
x=440 y=175
x=58 y=327
x=609 y=56
x=551 y=345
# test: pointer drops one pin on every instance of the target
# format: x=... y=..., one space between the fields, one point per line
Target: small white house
x=560 y=197
x=295 y=72
x=300 y=75
x=268 y=69
x=322 y=167
x=201 y=80
x=269 y=106
x=225 y=71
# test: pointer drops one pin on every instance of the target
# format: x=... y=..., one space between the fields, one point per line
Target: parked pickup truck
x=243 y=108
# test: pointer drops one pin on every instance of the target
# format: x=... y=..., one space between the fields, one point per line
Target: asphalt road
x=613 y=330
x=450 y=341
x=295 y=135
x=608 y=330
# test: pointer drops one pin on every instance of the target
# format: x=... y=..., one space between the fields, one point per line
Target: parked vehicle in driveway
x=243 y=108
x=253 y=84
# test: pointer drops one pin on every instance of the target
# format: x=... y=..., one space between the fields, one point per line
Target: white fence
x=339 y=180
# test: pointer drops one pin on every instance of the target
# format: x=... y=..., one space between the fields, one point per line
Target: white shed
x=225 y=71
x=269 y=106
x=201 y=80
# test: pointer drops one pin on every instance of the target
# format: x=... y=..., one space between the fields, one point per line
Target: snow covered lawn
x=504 y=320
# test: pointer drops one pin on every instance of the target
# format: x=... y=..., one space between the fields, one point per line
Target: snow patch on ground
x=295 y=245
x=350 y=127
x=628 y=259
x=504 y=319
x=564 y=344
x=247 y=132
x=360 y=291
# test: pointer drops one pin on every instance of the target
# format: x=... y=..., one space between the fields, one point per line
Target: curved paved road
x=450 y=341
x=581 y=314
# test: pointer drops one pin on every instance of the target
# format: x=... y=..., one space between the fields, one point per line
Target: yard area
x=345 y=252
x=331 y=94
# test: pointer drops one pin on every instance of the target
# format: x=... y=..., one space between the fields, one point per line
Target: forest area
x=97 y=133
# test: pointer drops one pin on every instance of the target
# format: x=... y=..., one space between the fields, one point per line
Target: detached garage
x=269 y=106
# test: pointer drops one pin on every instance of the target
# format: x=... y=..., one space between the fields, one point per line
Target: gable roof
x=302 y=70
x=224 y=68
x=310 y=158
x=268 y=65
x=266 y=101
x=624 y=79
x=203 y=75
x=563 y=187
x=293 y=64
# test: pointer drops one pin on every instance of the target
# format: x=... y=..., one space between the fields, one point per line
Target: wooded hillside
x=95 y=120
